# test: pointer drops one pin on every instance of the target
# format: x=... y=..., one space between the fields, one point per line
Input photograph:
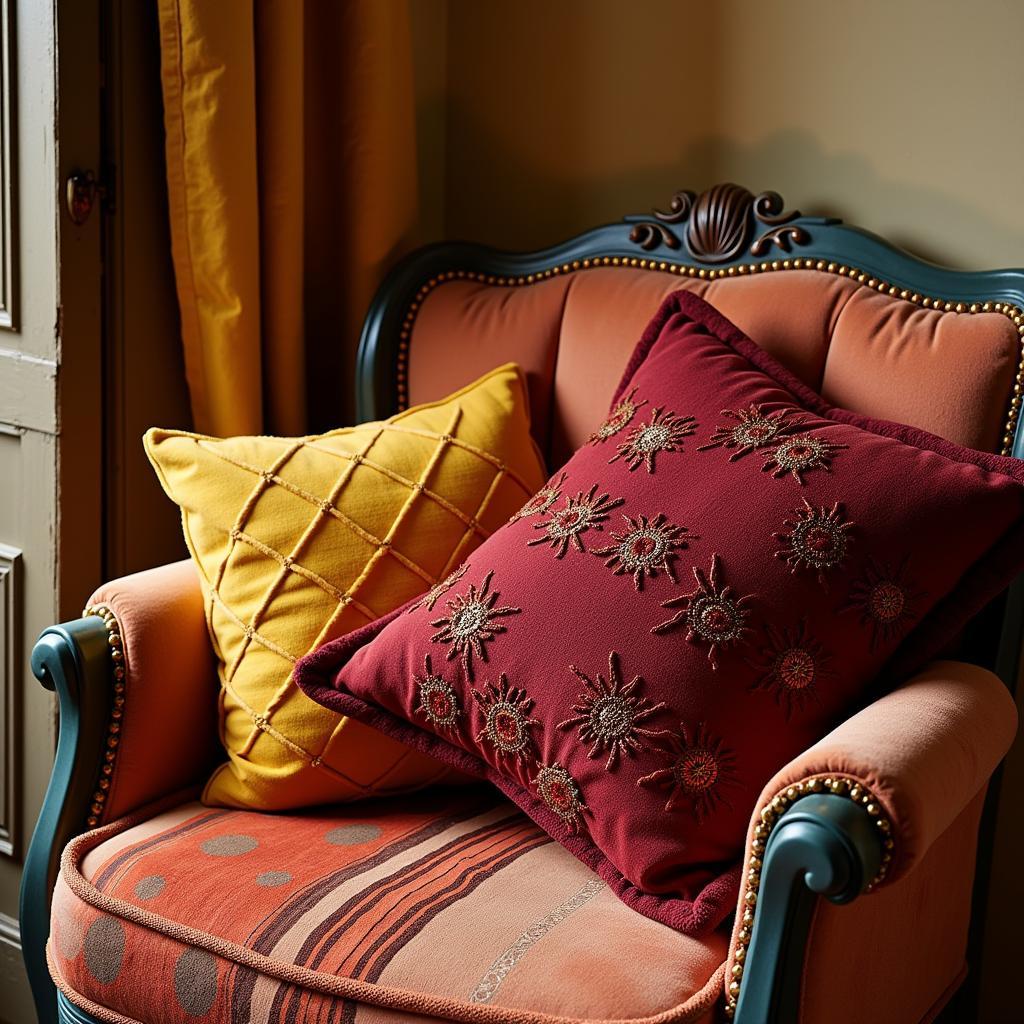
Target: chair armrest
x=856 y=811
x=136 y=683
x=164 y=720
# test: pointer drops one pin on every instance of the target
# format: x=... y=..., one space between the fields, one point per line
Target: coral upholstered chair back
x=871 y=328
x=881 y=355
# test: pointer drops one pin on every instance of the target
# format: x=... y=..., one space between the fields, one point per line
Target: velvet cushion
x=453 y=906
x=299 y=540
x=710 y=583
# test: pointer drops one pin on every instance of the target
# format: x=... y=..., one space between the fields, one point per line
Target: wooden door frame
x=80 y=393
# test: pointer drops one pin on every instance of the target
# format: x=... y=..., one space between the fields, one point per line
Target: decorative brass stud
x=113 y=739
x=769 y=816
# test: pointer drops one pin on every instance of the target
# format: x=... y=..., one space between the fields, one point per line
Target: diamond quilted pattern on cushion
x=299 y=540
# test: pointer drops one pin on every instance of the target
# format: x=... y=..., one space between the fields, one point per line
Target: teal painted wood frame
x=68 y=1013
x=73 y=660
x=852 y=251
x=823 y=845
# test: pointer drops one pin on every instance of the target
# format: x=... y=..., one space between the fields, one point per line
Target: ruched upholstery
x=950 y=373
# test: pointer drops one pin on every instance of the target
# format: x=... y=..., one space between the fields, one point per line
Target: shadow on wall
x=499 y=196
x=847 y=185
x=502 y=199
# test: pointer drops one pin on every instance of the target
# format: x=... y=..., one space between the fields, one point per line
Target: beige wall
x=901 y=116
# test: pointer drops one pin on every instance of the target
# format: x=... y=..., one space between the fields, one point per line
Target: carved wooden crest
x=721 y=224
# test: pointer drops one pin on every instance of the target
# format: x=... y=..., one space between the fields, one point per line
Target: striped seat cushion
x=448 y=906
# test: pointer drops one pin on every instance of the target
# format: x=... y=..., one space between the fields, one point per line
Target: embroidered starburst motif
x=645 y=547
x=438 y=590
x=800 y=454
x=817 y=540
x=567 y=524
x=560 y=791
x=753 y=428
x=609 y=713
x=885 y=600
x=507 y=722
x=710 y=613
x=438 y=702
x=699 y=769
x=620 y=416
x=664 y=433
x=542 y=500
x=471 y=623
x=791 y=665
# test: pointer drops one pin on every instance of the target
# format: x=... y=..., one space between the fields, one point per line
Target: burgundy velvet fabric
x=712 y=582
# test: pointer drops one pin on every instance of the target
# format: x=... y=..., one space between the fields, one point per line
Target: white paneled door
x=51 y=81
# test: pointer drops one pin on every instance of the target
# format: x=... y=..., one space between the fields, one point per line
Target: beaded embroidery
x=609 y=714
x=884 y=599
x=791 y=666
x=699 y=769
x=753 y=429
x=542 y=500
x=470 y=623
x=645 y=547
x=438 y=590
x=664 y=433
x=506 y=722
x=558 y=789
x=620 y=416
x=817 y=540
x=800 y=454
x=579 y=514
x=710 y=612
x=438 y=702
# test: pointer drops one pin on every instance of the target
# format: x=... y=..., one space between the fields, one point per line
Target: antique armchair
x=880 y=815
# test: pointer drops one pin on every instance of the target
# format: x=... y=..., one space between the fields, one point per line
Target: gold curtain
x=290 y=140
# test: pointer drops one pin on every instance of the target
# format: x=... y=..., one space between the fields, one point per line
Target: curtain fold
x=291 y=170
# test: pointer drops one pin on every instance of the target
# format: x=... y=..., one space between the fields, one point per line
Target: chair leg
x=68 y=1013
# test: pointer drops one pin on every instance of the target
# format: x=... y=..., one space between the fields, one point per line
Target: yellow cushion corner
x=301 y=540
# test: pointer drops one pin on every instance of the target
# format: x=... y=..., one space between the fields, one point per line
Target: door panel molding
x=10 y=684
x=8 y=204
x=27 y=391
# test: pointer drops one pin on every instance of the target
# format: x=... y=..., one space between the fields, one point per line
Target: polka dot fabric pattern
x=299 y=540
x=458 y=909
x=732 y=568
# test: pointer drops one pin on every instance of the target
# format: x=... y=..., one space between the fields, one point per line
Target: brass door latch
x=80 y=194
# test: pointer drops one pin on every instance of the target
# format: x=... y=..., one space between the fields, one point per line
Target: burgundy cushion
x=711 y=582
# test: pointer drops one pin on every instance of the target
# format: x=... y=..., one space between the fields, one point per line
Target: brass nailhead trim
x=1014 y=313
x=770 y=814
x=99 y=798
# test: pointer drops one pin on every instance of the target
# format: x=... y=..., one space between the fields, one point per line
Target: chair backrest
x=870 y=327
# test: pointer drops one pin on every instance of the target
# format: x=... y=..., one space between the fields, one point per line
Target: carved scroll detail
x=721 y=224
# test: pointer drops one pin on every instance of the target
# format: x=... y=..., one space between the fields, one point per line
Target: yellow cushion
x=300 y=540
